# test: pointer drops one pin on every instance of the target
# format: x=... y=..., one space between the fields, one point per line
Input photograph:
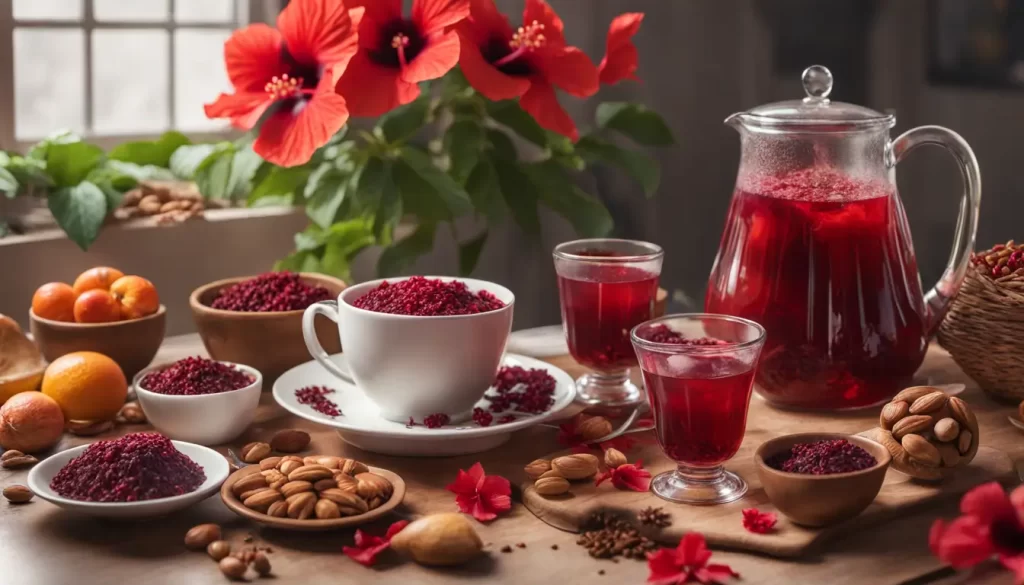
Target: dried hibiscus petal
x=758 y=522
x=631 y=476
x=482 y=496
x=367 y=546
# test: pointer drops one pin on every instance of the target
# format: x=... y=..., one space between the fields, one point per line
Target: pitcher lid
x=817 y=111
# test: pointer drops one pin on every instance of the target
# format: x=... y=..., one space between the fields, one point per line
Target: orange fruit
x=96 y=306
x=87 y=386
x=100 y=277
x=54 y=300
x=136 y=295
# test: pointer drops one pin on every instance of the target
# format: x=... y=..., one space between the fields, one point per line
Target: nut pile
x=608 y=536
x=1002 y=262
x=928 y=433
x=233 y=564
x=166 y=201
x=551 y=478
x=13 y=459
x=317 y=487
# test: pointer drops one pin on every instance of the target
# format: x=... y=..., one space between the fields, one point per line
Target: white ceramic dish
x=362 y=426
x=214 y=465
x=207 y=419
x=448 y=358
x=539 y=342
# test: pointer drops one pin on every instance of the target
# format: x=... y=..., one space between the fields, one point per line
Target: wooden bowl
x=314 y=524
x=270 y=342
x=821 y=500
x=132 y=344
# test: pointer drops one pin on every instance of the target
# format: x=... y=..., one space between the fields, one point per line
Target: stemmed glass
x=607 y=287
x=699 y=370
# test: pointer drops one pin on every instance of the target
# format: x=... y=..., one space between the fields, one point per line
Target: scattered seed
x=506 y=549
x=554 y=547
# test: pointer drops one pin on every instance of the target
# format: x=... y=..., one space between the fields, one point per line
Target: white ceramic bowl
x=214 y=465
x=207 y=419
x=413 y=365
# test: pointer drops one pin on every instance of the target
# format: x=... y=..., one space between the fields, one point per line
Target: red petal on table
x=631 y=477
x=687 y=561
x=601 y=477
x=963 y=543
x=395 y=529
x=758 y=522
x=482 y=496
x=715 y=573
x=988 y=502
x=369 y=546
x=1016 y=564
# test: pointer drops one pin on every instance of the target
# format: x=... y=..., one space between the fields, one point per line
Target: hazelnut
x=261 y=563
x=200 y=537
x=218 y=549
x=232 y=567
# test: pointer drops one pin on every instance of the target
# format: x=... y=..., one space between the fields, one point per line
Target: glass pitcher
x=817 y=249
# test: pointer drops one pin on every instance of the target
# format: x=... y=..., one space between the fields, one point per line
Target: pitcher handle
x=328 y=309
x=938 y=298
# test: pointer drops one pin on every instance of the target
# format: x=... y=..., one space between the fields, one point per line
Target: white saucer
x=539 y=342
x=361 y=425
x=214 y=465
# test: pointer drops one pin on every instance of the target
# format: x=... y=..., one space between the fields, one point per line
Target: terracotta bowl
x=132 y=344
x=270 y=342
x=820 y=500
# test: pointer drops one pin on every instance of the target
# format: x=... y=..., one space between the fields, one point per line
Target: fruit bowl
x=132 y=343
x=271 y=342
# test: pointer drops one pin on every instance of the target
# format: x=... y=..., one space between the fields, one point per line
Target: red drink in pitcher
x=825 y=264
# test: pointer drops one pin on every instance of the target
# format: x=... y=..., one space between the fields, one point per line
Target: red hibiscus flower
x=758 y=522
x=621 y=58
x=291 y=72
x=502 y=63
x=991 y=524
x=631 y=476
x=396 y=53
x=685 y=563
x=368 y=547
x=482 y=496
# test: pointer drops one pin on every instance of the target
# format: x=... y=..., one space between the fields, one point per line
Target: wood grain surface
x=43 y=545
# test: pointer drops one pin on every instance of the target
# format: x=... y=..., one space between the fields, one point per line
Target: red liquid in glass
x=600 y=306
x=701 y=416
x=826 y=265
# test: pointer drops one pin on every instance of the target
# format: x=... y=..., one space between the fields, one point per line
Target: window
x=114 y=69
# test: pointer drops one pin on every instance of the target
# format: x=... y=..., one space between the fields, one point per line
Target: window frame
x=245 y=12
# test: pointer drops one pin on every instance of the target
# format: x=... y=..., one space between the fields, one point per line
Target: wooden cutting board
x=722 y=525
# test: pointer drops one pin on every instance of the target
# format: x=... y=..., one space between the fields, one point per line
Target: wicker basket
x=984 y=332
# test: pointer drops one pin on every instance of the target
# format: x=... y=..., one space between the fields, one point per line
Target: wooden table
x=43 y=545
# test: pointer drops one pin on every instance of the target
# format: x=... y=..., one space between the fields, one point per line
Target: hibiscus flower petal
x=379 y=10
x=395 y=529
x=603 y=476
x=244 y=109
x=964 y=543
x=372 y=90
x=631 y=477
x=572 y=70
x=319 y=32
x=495 y=493
x=434 y=15
x=664 y=567
x=464 y=484
x=935 y=535
x=252 y=56
x=621 y=57
x=693 y=550
x=541 y=102
x=542 y=12
x=482 y=512
x=365 y=556
x=439 y=57
x=987 y=502
x=496 y=86
x=466 y=502
x=714 y=573
x=1016 y=564
x=289 y=137
x=486 y=22
x=758 y=522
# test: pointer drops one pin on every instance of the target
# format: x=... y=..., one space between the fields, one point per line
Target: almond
x=914 y=423
x=255 y=452
x=964 y=444
x=218 y=549
x=950 y=456
x=594 y=428
x=311 y=460
x=261 y=563
x=928 y=403
x=275 y=478
x=551 y=486
x=310 y=473
x=614 y=458
x=576 y=466
x=326 y=509
x=232 y=568
x=349 y=504
x=13 y=459
x=911 y=394
x=371 y=485
x=353 y=467
x=536 y=468
x=920 y=449
x=301 y=506
x=262 y=499
x=946 y=430
x=891 y=413
x=288 y=466
x=325 y=484
x=278 y=509
x=290 y=441
x=199 y=537
x=330 y=462
x=269 y=463
x=295 y=487
x=17 y=494
x=963 y=414
x=248 y=483
x=551 y=473
x=88 y=428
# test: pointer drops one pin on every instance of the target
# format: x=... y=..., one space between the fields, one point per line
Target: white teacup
x=415 y=366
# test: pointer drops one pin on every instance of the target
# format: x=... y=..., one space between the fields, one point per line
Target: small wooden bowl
x=132 y=344
x=311 y=525
x=270 y=342
x=821 y=500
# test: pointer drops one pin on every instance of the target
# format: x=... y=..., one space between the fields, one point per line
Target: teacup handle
x=328 y=309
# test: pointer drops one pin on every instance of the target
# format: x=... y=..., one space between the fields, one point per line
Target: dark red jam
x=315 y=397
x=193 y=376
x=135 y=467
x=273 y=291
x=823 y=458
x=430 y=297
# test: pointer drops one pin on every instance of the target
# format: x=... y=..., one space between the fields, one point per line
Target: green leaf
x=642 y=168
x=325 y=193
x=244 y=167
x=281 y=181
x=508 y=113
x=485 y=191
x=428 y=188
x=587 y=215
x=469 y=253
x=404 y=122
x=69 y=163
x=186 y=159
x=401 y=255
x=310 y=239
x=138 y=172
x=639 y=123
x=463 y=141
x=502 y=145
x=520 y=194
x=150 y=152
x=29 y=171
x=79 y=211
x=344 y=241
x=390 y=207
x=213 y=175
x=39 y=151
x=8 y=184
